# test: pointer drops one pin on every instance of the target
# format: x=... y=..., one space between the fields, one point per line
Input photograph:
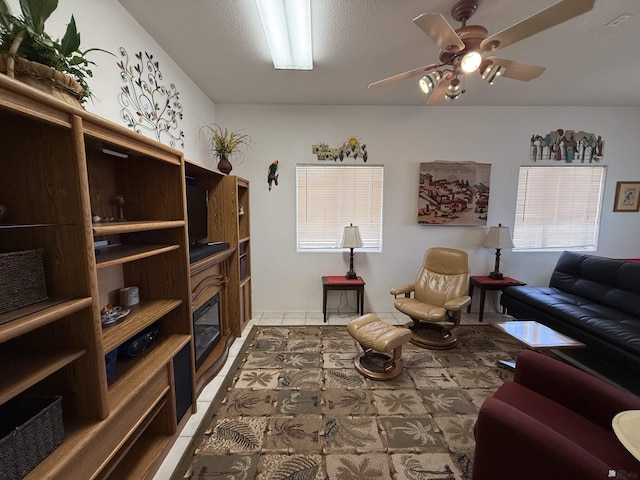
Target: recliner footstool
x=377 y=339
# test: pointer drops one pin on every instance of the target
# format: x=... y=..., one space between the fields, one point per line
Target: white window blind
x=329 y=197
x=558 y=207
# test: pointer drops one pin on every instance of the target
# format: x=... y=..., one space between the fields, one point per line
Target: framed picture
x=454 y=193
x=627 y=197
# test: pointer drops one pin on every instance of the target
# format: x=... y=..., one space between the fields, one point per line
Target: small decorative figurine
x=118 y=200
x=272 y=176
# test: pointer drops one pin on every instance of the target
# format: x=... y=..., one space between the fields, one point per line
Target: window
x=332 y=196
x=558 y=208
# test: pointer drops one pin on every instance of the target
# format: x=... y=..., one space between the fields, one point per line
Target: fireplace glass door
x=206 y=328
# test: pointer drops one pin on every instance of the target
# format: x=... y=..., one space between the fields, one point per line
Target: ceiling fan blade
x=402 y=76
x=439 y=30
x=547 y=18
x=518 y=70
x=438 y=93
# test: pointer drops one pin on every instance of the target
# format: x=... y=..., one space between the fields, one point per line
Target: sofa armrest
x=456 y=304
x=577 y=390
x=512 y=445
x=403 y=290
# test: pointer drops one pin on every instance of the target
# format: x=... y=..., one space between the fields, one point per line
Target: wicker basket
x=21 y=279
x=46 y=79
x=30 y=429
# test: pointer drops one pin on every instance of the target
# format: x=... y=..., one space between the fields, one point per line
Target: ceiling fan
x=468 y=49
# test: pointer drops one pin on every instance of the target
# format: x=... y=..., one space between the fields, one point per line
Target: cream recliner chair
x=440 y=292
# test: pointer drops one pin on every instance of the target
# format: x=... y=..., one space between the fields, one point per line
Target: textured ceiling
x=221 y=46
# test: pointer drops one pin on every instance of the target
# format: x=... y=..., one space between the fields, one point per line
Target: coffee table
x=535 y=336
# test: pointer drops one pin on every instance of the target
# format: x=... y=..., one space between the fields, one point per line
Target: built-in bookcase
x=61 y=166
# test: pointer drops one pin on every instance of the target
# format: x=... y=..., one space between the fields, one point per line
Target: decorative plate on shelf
x=110 y=316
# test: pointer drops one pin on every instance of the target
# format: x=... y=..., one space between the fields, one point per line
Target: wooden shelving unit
x=233 y=199
x=56 y=174
x=220 y=273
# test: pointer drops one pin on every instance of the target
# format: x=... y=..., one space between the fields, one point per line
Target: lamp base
x=496 y=275
x=351 y=275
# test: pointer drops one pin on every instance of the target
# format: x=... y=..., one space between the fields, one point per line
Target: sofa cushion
x=616 y=326
x=579 y=430
x=605 y=281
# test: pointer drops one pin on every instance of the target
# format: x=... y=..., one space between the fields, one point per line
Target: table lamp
x=498 y=238
x=351 y=239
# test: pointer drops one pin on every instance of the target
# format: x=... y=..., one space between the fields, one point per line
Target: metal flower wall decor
x=148 y=105
x=566 y=146
x=350 y=148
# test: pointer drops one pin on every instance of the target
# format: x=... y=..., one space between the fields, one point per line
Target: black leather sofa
x=595 y=300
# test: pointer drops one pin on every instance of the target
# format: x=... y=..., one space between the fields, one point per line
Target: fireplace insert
x=206 y=328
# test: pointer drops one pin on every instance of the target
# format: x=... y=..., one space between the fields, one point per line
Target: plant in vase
x=26 y=51
x=223 y=144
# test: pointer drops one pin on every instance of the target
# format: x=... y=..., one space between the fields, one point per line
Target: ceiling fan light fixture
x=430 y=81
x=491 y=72
x=453 y=90
x=470 y=61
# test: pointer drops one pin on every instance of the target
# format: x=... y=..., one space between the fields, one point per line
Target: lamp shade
x=498 y=237
x=351 y=237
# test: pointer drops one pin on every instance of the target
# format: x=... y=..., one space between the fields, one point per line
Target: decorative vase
x=224 y=165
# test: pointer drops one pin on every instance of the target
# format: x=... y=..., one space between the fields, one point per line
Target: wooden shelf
x=58 y=347
x=141 y=316
x=37 y=315
x=119 y=254
x=114 y=228
x=29 y=225
x=21 y=370
x=81 y=453
x=142 y=453
x=130 y=383
x=143 y=459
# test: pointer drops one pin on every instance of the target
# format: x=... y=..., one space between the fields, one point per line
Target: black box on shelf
x=244 y=266
x=110 y=360
x=30 y=429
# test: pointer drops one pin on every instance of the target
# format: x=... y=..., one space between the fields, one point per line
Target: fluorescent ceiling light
x=287 y=25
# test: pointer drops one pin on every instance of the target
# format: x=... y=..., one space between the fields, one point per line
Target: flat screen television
x=197 y=216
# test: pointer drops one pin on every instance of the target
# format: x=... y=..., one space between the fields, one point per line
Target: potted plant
x=30 y=55
x=223 y=144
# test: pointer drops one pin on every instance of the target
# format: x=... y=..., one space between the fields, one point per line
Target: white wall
x=106 y=24
x=400 y=138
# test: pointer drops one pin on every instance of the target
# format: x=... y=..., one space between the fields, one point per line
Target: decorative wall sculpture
x=566 y=146
x=147 y=105
x=272 y=174
x=351 y=148
x=454 y=193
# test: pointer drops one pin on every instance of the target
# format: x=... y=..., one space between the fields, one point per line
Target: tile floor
x=277 y=318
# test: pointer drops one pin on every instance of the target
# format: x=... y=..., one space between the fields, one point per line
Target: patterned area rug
x=295 y=408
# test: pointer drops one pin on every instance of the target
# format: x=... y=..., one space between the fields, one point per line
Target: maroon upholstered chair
x=552 y=421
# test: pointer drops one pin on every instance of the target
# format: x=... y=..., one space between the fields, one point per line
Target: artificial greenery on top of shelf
x=224 y=143
x=34 y=44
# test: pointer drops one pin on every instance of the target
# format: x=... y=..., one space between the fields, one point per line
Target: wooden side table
x=340 y=282
x=487 y=283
